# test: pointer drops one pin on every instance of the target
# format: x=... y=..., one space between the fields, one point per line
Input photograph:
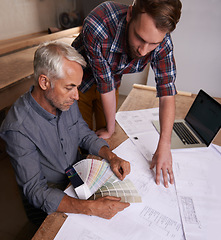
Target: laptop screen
x=204 y=117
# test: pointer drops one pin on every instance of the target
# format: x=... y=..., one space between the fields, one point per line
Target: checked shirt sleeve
x=97 y=49
x=164 y=67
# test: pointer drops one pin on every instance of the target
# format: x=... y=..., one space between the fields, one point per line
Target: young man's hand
x=103 y=133
x=162 y=159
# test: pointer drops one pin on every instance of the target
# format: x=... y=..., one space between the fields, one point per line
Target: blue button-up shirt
x=42 y=145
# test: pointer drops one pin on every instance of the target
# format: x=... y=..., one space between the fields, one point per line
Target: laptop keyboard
x=184 y=134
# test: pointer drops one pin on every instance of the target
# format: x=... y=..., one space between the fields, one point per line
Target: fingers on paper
x=153 y=163
x=170 y=172
x=158 y=174
x=165 y=177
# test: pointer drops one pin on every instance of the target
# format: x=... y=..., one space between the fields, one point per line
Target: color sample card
x=123 y=189
x=94 y=173
x=101 y=181
x=74 y=178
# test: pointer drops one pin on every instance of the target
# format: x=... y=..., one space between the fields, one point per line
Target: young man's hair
x=165 y=13
x=48 y=59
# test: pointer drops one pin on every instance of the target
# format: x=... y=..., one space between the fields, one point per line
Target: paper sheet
x=197 y=175
x=157 y=217
x=138 y=126
x=192 y=208
x=197 y=179
x=139 y=121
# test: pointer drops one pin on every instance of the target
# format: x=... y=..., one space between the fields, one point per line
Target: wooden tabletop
x=144 y=98
x=138 y=98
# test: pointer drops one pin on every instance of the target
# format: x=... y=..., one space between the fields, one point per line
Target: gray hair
x=49 y=56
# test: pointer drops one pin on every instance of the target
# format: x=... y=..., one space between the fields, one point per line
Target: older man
x=43 y=131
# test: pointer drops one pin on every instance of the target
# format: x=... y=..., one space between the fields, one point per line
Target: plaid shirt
x=103 y=44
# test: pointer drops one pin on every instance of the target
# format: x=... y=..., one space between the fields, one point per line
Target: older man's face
x=65 y=90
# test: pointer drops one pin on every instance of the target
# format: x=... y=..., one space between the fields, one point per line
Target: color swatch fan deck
x=94 y=174
x=99 y=180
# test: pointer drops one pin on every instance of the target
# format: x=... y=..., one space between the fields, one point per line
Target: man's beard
x=129 y=53
x=132 y=53
x=55 y=103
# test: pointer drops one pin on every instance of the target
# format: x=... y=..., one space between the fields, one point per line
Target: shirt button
x=65 y=153
x=62 y=139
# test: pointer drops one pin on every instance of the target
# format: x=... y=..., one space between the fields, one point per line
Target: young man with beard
x=118 y=39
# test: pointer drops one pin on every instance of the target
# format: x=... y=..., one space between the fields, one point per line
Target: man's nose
x=143 y=49
x=75 y=94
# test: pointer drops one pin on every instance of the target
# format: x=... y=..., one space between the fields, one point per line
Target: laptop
x=200 y=126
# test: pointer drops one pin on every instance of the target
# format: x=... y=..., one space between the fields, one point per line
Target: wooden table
x=16 y=64
x=139 y=98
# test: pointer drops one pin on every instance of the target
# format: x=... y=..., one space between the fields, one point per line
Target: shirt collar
x=119 y=43
x=40 y=110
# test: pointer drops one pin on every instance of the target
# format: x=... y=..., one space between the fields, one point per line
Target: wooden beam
x=33 y=41
x=140 y=86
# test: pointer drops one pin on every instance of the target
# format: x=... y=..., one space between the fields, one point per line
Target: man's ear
x=44 y=82
x=129 y=14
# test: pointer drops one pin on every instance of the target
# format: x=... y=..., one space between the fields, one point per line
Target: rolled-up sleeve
x=164 y=67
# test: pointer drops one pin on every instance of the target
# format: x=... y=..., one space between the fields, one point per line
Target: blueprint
x=196 y=170
x=156 y=217
x=190 y=209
